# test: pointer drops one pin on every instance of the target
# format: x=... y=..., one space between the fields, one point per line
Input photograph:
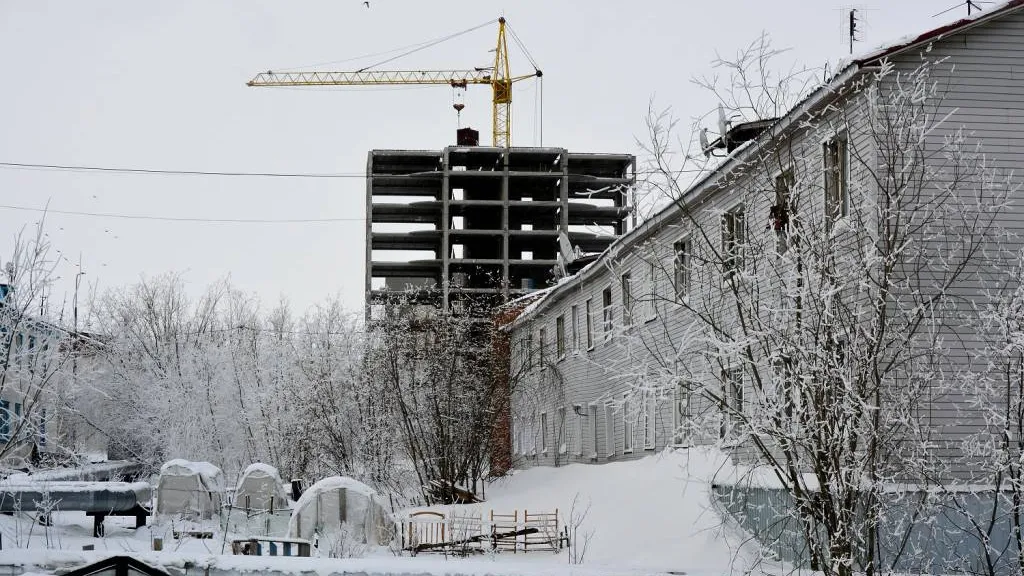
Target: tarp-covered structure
x=338 y=500
x=192 y=490
x=260 y=488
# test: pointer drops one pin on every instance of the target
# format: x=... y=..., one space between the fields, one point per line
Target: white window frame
x=680 y=413
x=607 y=312
x=594 y=430
x=575 y=328
x=650 y=308
x=590 y=324
x=650 y=422
x=626 y=286
x=581 y=428
x=543 y=432
x=609 y=431
x=682 y=261
x=560 y=337
x=733 y=242
x=782 y=240
x=628 y=429
x=560 y=437
x=541 y=335
x=843 y=163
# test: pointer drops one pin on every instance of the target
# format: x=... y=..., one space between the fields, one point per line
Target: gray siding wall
x=984 y=93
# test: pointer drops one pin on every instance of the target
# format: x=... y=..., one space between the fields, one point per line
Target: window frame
x=541 y=336
x=626 y=286
x=682 y=260
x=561 y=432
x=608 y=315
x=560 y=337
x=590 y=325
x=680 y=413
x=651 y=281
x=575 y=328
x=596 y=448
x=835 y=168
x=609 y=431
x=781 y=218
x=544 y=433
x=581 y=428
x=734 y=240
x=650 y=422
x=628 y=431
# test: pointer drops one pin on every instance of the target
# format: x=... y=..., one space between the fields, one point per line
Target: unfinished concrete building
x=486 y=223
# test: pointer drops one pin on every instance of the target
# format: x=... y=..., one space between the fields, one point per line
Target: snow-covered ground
x=647 y=516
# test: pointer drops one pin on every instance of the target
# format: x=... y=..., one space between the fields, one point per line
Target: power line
x=185 y=219
x=121 y=170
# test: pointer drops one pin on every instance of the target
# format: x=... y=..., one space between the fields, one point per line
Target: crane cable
x=428 y=44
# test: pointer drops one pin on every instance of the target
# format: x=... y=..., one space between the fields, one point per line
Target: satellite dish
x=723 y=124
x=565 y=248
x=705 y=146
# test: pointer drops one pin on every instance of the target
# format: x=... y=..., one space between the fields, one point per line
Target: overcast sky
x=161 y=85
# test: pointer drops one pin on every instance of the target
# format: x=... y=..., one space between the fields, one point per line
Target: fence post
x=526 y=524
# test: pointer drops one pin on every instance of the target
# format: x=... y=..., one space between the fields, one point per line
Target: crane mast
x=499 y=78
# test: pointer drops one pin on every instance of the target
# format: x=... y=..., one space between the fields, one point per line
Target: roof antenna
x=853 y=27
x=972 y=6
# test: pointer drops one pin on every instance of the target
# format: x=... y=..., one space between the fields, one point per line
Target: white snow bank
x=649 y=515
x=49 y=561
x=73 y=486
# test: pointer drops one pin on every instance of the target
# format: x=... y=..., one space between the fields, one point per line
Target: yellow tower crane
x=499 y=78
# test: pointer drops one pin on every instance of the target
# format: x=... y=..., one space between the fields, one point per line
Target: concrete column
x=446 y=247
x=504 y=225
x=368 y=237
x=563 y=192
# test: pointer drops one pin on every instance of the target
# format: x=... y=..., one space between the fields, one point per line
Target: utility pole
x=74 y=334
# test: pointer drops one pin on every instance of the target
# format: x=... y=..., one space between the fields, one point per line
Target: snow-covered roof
x=932 y=35
x=182 y=467
x=846 y=71
x=261 y=469
x=332 y=483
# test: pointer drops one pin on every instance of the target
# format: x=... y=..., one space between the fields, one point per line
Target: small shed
x=190 y=489
x=260 y=488
x=336 y=501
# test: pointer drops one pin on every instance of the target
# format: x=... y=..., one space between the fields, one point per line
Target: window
x=529 y=350
x=581 y=428
x=650 y=417
x=517 y=436
x=733 y=240
x=606 y=302
x=650 y=309
x=627 y=425
x=560 y=435
x=560 y=337
x=593 y=431
x=543 y=433
x=779 y=214
x=42 y=426
x=5 y=420
x=542 y=337
x=609 y=430
x=680 y=413
x=19 y=343
x=590 y=326
x=682 y=251
x=732 y=379
x=837 y=201
x=627 y=299
x=575 y=328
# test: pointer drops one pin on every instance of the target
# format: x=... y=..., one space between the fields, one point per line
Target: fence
x=429 y=531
